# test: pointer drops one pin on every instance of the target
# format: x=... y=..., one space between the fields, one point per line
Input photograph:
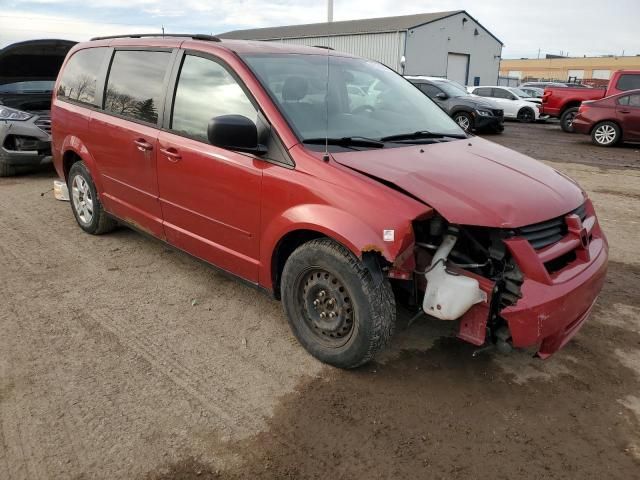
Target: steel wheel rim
x=327 y=308
x=605 y=134
x=82 y=199
x=463 y=122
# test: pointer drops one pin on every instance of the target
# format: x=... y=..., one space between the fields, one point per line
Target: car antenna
x=326 y=157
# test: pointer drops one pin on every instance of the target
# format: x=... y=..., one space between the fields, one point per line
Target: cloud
x=584 y=28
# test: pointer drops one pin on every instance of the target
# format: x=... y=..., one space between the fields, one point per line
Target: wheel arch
x=74 y=150
x=307 y=222
x=612 y=120
x=568 y=105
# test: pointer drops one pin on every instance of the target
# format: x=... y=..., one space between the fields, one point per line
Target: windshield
x=520 y=93
x=33 y=86
x=451 y=88
x=365 y=99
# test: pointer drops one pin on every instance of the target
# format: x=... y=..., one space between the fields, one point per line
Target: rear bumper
x=580 y=125
x=554 y=307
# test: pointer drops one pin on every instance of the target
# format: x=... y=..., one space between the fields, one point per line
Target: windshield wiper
x=346 y=142
x=420 y=134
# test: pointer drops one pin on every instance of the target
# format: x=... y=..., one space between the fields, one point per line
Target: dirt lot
x=123 y=359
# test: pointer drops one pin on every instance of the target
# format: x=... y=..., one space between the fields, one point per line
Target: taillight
x=582 y=109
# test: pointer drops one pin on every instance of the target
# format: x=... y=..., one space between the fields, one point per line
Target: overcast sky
x=579 y=27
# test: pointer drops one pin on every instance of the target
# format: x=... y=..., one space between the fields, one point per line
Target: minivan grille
x=546 y=233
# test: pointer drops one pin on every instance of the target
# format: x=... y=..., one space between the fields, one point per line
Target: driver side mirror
x=442 y=96
x=234 y=132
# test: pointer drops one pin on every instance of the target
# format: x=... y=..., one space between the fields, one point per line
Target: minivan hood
x=472 y=181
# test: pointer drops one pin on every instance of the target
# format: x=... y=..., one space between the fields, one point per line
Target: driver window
x=429 y=89
x=206 y=90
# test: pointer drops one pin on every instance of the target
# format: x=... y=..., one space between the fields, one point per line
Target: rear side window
x=206 y=90
x=500 y=93
x=135 y=87
x=628 y=82
x=79 y=78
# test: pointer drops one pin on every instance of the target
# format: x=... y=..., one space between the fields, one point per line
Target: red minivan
x=329 y=181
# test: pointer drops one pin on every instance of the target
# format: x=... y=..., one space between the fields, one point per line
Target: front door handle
x=171 y=154
x=143 y=145
x=625 y=111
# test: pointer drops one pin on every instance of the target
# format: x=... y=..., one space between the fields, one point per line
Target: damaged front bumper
x=25 y=143
x=536 y=295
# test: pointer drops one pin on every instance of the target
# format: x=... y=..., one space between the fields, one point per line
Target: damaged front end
x=528 y=287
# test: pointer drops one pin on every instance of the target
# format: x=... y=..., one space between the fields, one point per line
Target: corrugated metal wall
x=386 y=48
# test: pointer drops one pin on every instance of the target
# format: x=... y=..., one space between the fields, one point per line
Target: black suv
x=469 y=111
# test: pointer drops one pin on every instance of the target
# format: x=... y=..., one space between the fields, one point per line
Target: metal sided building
x=443 y=44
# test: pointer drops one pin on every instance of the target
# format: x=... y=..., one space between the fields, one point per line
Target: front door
x=124 y=144
x=210 y=196
x=628 y=112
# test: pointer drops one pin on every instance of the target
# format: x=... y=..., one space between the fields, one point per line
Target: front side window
x=629 y=82
x=206 y=90
x=79 y=78
x=452 y=89
x=429 y=89
x=312 y=91
x=136 y=83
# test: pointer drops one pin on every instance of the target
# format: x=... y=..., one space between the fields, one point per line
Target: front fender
x=342 y=226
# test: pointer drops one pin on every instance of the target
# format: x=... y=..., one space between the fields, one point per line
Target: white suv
x=521 y=108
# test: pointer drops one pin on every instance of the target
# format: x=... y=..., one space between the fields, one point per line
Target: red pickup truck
x=563 y=102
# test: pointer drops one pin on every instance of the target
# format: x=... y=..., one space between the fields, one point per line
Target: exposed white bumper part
x=60 y=190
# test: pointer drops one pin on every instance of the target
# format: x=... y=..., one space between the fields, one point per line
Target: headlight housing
x=7 y=113
x=484 y=113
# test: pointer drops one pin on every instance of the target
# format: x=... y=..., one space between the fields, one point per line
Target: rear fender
x=73 y=144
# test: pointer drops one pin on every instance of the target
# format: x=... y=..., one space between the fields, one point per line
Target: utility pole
x=329 y=11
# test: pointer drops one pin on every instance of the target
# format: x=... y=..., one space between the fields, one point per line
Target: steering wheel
x=363 y=108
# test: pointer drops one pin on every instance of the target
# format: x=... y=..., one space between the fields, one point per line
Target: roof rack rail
x=323 y=46
x=197 y=36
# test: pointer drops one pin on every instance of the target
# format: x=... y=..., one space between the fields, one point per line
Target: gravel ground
x=123 y=359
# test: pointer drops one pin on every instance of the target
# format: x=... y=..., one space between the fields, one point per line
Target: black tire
x=99 y=222
x=606 y=134
x=566 y=119
x=364 y=309
x=526 y=115
x=464 y=121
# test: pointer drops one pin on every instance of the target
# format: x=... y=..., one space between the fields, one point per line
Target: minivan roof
x=209 y=42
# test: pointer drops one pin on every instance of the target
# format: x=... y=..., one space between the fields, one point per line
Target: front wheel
x=566 y=119
x=464 y=120
x=336 y=309
x=605 y=134
x=526 y=115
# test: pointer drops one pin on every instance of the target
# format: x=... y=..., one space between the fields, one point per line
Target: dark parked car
x=610 y=120
x=252 y=156
x=469 y=111
x=28 y=71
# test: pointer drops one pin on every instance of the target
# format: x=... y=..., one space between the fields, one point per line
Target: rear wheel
x=464 y=120
x=335 y=308
x=566 y=119
x=85 y=203
x=605 y=134
x=526 y=115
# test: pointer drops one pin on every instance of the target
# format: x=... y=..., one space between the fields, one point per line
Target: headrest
x=294 y=89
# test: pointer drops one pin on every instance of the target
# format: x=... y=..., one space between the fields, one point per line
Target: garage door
x=458 y=68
